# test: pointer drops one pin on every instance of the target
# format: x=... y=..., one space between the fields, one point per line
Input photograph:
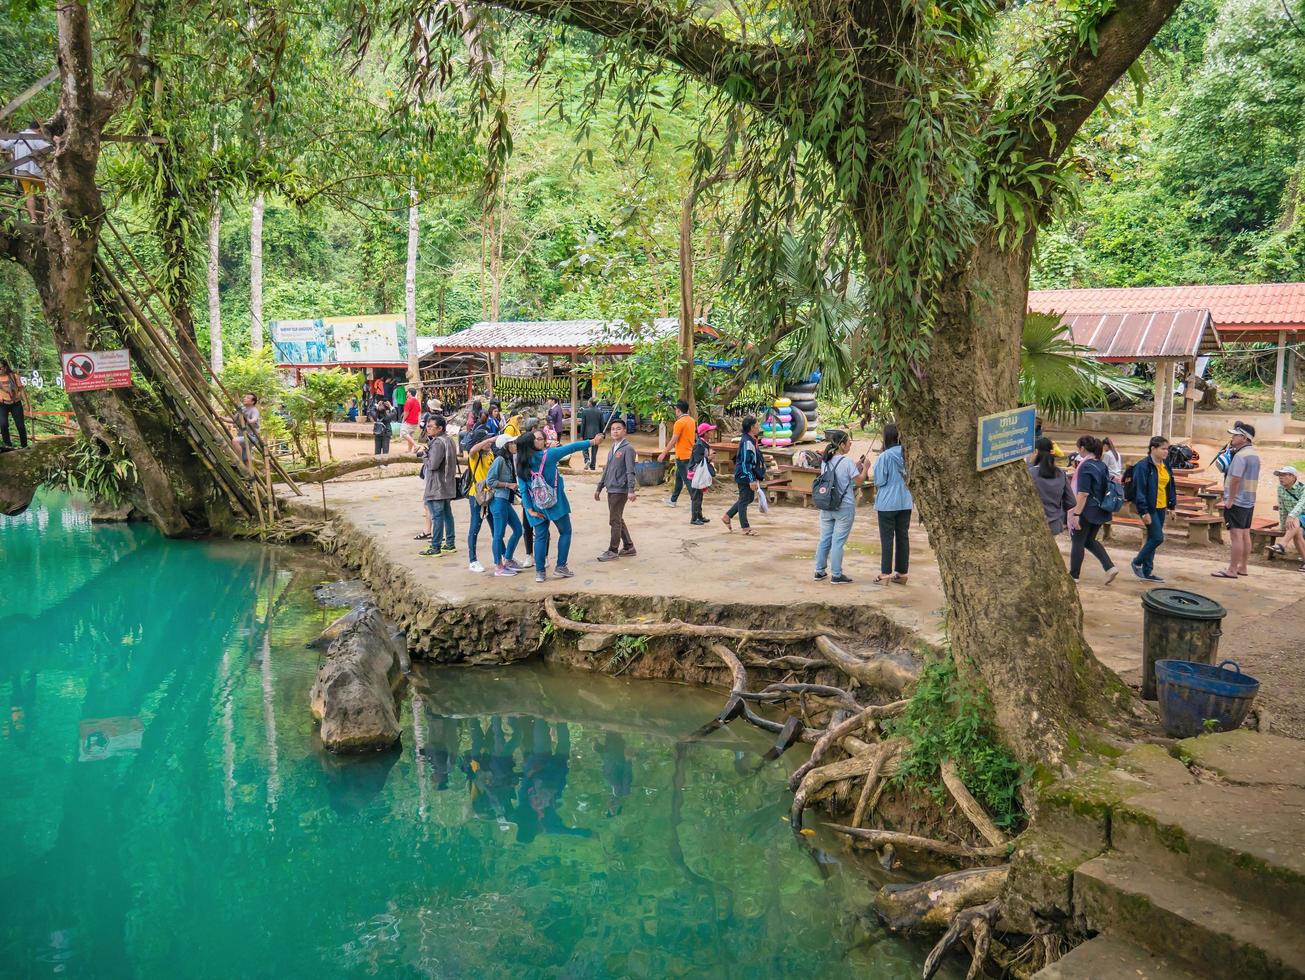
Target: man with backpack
x=1154 y=495
x=441 y=486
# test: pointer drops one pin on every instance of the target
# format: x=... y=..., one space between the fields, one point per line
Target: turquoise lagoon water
x=168 y=812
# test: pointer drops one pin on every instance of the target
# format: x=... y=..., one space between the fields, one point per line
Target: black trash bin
x=1178 y=625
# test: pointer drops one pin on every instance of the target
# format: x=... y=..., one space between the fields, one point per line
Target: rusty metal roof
x=552 y=337
x=1240 y=311
x=1163 y=334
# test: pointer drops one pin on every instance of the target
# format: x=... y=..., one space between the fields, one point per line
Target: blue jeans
x=835 y=528
x=473 y=531
x=1155 y=537
x=502 y=515
x=441 y=523
x=563 y=542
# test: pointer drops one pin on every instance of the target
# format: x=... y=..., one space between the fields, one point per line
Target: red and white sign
x=95 y=369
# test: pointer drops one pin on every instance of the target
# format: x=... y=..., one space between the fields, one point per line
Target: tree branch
x=764 y=75
x=1096 y=64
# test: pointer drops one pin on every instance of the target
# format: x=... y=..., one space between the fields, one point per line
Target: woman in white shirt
x=1114 y=462
x=836 y=525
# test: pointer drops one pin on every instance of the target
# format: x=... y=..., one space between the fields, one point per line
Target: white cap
x=1286 y=471
x=502 y=441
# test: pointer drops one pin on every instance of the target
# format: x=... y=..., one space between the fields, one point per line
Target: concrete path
x=1265 y=628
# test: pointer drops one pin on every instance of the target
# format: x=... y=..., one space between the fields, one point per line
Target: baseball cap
x=1286 y=471
x=706 y=427
x=1242 y=429
x=502 y=441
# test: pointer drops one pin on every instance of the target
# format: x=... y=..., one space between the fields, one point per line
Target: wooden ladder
x=199 y=400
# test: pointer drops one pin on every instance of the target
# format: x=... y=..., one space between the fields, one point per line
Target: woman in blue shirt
x=1090 y=487
x=749 y=469
x=893 y=504
x=534 y=459
x=502 y=479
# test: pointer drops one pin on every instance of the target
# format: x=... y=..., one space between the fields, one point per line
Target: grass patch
x=949 y=718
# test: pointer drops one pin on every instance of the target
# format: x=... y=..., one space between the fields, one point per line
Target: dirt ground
x=1263 y=630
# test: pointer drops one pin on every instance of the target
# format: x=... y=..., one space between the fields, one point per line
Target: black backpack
x=825 y=492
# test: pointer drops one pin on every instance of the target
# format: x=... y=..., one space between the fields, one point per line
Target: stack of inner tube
x=777 y=430
x=801 y=397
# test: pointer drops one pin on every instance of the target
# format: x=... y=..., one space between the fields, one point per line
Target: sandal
x=898 y=579
x=726 y=521
x=1222 y=574
x=749 y=532
x=424 y=536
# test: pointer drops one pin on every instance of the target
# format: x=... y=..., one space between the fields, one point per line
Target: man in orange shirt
x=682 y=437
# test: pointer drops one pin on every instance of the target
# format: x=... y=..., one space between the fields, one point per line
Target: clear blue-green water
x=168 y=812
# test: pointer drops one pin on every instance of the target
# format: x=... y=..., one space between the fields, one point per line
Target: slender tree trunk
x=214 y=294
x=1013 y=612
x=686 y=301
x=256 y=273
x=410 y=287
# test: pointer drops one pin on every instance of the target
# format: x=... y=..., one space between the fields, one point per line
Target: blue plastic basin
x=1192 y=694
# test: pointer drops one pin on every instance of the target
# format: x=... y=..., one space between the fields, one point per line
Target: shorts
x=1238 y=518
x=407 y=429
x=30 y=187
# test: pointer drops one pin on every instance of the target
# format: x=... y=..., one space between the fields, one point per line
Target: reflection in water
x=528 y=825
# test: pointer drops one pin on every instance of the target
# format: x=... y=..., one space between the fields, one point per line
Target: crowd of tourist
x=514 y=485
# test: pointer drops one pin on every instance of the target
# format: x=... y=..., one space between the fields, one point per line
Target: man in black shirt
x=591 y=424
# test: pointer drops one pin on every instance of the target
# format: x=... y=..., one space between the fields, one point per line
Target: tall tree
x=925 y=143
x=256 y=271
x=410 y=285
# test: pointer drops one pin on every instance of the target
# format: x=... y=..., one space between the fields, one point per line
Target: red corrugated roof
x=1264 y=308
x=1124 y=337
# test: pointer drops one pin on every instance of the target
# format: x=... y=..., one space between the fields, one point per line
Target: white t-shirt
x=1114 y=464
x=28 y=146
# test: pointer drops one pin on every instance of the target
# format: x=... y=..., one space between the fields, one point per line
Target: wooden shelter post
x=575 y=398
x=1158 y=411
x=1289 y=383
x=1190 y=397
x=1278 y=366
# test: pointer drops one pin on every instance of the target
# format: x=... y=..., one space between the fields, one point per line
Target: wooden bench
x=1264 y=532
x=1201 y=528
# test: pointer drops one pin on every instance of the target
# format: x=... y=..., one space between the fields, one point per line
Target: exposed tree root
x=845 y=727
x=677 y=627
x=288 y=530
x=977 y=921
x=878 y=838
x=971 y=807
x=871 y=785
x=815 y=779
x=932 y=905
x=880 y=671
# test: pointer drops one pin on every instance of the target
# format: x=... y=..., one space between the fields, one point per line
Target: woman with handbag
x=749 y=468
x=479 y=458
x=845 y=478
x=544 y=494
x=381 y=432
x=701 y=472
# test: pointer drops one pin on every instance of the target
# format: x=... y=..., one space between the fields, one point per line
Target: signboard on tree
x=93 y=370
x=1006 y=437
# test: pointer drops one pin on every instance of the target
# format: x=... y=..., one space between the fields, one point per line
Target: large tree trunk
x=686 y=301
x=1013 y=611
x=256 y=274
x=410 y=287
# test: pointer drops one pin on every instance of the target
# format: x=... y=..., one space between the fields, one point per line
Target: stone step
x=1184 y=918
x=1232 y=822
x=1108 y=957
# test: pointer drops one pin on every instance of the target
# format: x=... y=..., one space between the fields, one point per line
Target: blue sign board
x=1006 y=437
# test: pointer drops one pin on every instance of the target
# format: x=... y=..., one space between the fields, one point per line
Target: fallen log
x=871 y=779
x=880 y=671
x=971 y=807
x=934 y=904
x=343 y=467
x=676 y=627
x=878 y=838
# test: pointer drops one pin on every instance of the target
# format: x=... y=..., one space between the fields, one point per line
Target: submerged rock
x=354 y=693
x=349 y=592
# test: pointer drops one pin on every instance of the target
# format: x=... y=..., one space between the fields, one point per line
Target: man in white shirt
x=25 y=152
